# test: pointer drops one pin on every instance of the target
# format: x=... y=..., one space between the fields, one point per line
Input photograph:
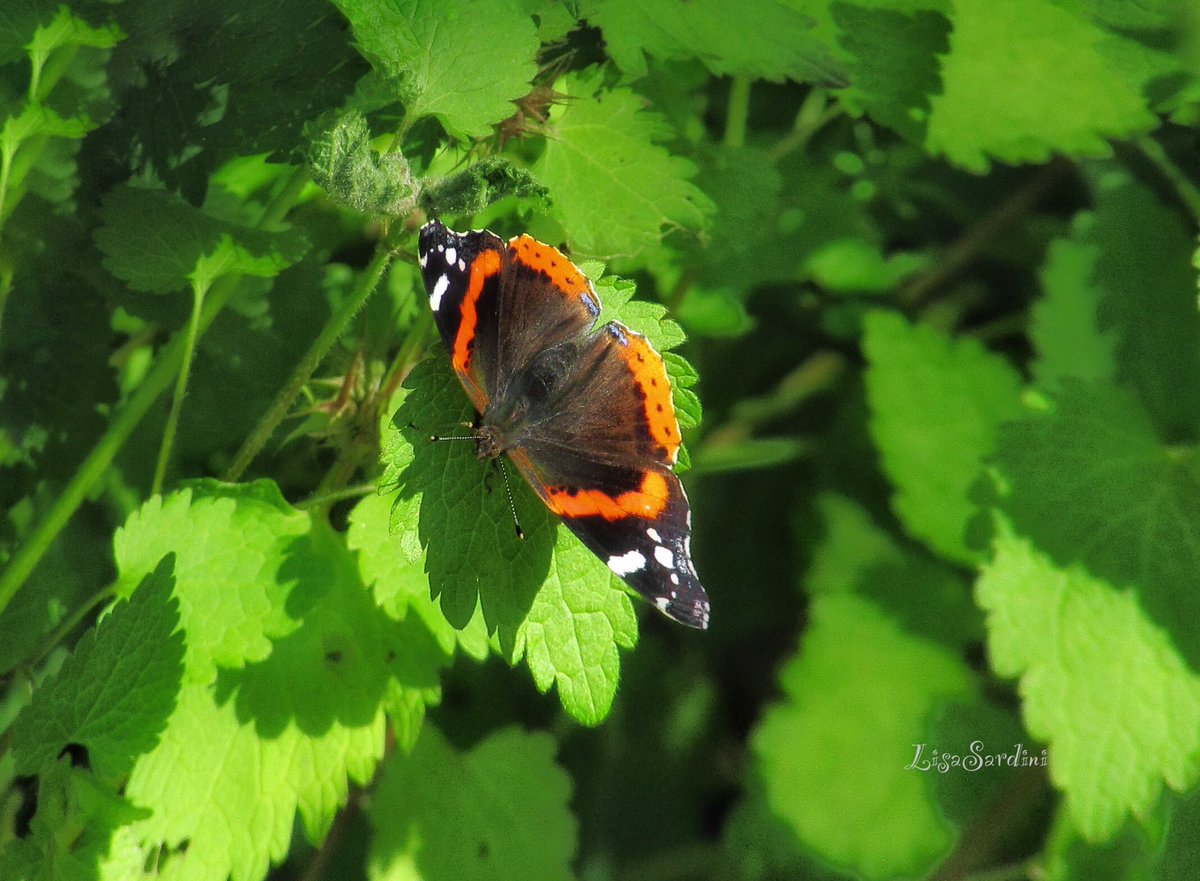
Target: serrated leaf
x=496 y=813
x=847 y=739
x=67 y=29
x=18 y=21
x=759 y=39
x=233 y=547
x=342 y=162
x=545 y=587
x=1026 y=79
x=936 y=404
x=614 y=188
x=157 y=243
x=462 y=62
x=1089 y=483
x=282 y=728
x=1100 y=680
x=115 y=692
x=400 y=584
x=473 y=555
x=895 y=64
x=579 y=618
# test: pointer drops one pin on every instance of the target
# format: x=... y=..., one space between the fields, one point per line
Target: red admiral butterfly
x=584 y=413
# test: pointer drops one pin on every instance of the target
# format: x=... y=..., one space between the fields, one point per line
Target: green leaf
x=760 y=39
x=927 y=597
x=579 y=618
x=155 y=242
x=845 y=739
x=936 y=404
x=1026 y=79
x=19 y=19
x=478 y=186
x=895 y=64
x=115 y=692
x=1100 y=680
x=1148 y=299
x=68 y=30
x=462 y=62
x=1065 y=328
x=544 y=596
x=234 y=548
x=342 y=162
x=496 y=813
x=614 y=188
x=72 y=830
x=400 y=584
x=294 y=710
x=1089 y=483
x=37 y=119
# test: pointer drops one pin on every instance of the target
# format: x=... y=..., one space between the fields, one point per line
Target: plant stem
x=330 y=334
x=157 y=381
x=813 y=115
x=1187 y=191
x=737 y=113
x=989 y=228
x=172 y=426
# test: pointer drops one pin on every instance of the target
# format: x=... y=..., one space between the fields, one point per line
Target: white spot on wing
x=654 y=536
x=674 y=578
x=439 y=289
x=664 y=556
x=631 y=561
x=451 y=255
x=663 y=603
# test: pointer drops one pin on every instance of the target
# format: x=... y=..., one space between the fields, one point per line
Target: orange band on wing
x=646 y=501
x=562 y=272
x=485 y=266
x=650 y=373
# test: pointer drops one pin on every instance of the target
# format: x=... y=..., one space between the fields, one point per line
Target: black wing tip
x=692 y=612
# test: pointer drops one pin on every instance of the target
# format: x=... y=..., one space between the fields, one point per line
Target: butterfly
x=584 y=412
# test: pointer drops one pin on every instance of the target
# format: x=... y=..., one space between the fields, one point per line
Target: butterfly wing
x=482 y=291
x=601 y=458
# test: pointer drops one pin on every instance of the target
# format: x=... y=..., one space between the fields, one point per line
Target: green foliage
x=498 y=811
x=932 y=267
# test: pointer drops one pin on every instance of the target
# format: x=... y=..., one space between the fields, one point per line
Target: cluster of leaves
x=937 y=265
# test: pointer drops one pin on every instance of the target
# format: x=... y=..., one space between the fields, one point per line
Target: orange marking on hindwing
x=650 y=374
x=564 y=274
x=647 y=501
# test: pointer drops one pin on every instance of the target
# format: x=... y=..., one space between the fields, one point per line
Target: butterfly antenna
x=511 y=504
x=434 y=438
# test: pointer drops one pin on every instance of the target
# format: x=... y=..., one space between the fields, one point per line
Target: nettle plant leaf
x=846 y=738
x=461 y=62
x=289 y=670
x=614 y=188
x=498 y=811
x=781 y=43
x=1026 y=79
x=343 y=163
x=157 y=243
x=115 y=692
x=936 y=404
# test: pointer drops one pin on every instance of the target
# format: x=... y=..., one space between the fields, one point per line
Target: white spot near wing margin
x=435 y=299
x=631 y=561
x=664 y=556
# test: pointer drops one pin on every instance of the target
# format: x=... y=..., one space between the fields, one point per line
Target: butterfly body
x=583 y=411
